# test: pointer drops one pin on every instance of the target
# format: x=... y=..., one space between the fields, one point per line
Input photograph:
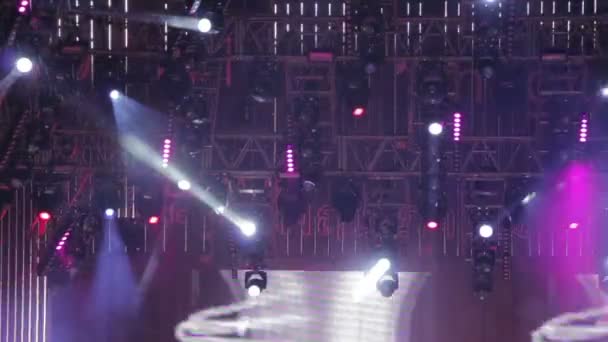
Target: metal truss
x=387 y=167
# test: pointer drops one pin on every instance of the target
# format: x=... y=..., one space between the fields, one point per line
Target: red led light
x=44 y=215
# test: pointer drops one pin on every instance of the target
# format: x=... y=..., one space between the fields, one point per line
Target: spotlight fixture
x=255 y=282
x=388 y=284
x=573 y=225
x=248 y=228
x=204 y=25
x=24 y=65
x=114 y=94
x=153 y=220
x=484 y=259
x=109 y=212
x=345 y=199
x=435 y=128
x=44 y=215
x=432 y=225
x=358 y=111
x=184 y=185
x=485 y=231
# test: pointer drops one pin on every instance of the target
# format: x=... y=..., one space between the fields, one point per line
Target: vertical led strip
x=290 y=164
x=457 y=126
x=77 y=18
x=583 y=131
x=110 y=27
x=344 y=28
x=275 y=29
x=126 y=38
x=166 y=29
x=301 y=29
x=92 y=29
x=316 y=27
x=166 y=152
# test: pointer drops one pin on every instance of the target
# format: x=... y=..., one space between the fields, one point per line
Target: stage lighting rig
x=484 y=245
x=384 y=272
x=107 y=196
x=432 y=86
x=369 y=23
x=263 y=81
x=388 y=283
x=355 y=90
x=255 y=282
x=210 y=14
x=488 y=24
x=308 y=141
x=345 y=199
x=484 y=260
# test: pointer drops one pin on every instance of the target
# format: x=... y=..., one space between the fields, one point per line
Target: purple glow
x=289 y=151
x=573 y=225
x=432 y=225
x=59 y=248
x=290 y=169
x=21 y=9
x=64 y=238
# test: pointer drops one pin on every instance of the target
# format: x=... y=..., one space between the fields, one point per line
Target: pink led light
x=167 y=141
x=59 y=248
x=457 y=124
x=21 y=9
x=25 y=3
x=291 y=169
x=583 y=130
x=573 y=225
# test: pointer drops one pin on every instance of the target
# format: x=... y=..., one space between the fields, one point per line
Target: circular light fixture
x=248 y=228
x=114 y=94
x=24 y=65
x=254 y=291
x=184 y=185
x=486 y=231
x=435 y=128
x=204 y=25
x=109 y=212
